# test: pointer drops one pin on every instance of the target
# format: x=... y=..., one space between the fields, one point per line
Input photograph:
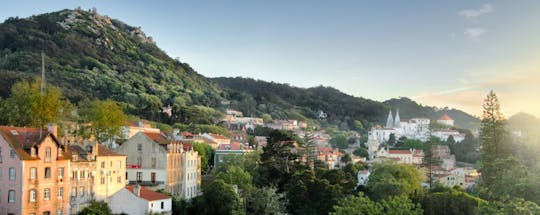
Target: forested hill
x=283 y=101
x=90 y=55
x=410 y=109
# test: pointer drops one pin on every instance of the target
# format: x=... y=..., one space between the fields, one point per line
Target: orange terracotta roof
x=159 y=138
x=401 y=151
x=104 y=151
x=219 y=136
x=148 y=194
x=21 y=139
x=445 y=117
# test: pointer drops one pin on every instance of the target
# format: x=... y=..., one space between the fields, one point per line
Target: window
x=47 y=194
x=153 y=162
x=33 y=152
x=12 y=153
x=74 y=175
x=60 y=172
x=33 y=173
x=33 y=195
x=48 y=154
x=139 y=147
x=153 y=177
x=60 y=192
x=47 y=172
x=12 y=174
x=119 y=179
x=81 y=174
x=119 y=164
x=139 y=176
x=102 y=180
x=162 y=205
x=73 y=191
x=11 y=196
x=47 y=213
x=102 y=164
x=59 y=212
x=81 y=191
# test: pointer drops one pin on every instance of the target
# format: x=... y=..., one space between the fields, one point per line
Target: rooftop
x=148 y=194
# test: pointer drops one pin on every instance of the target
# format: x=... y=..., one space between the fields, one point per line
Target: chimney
x=137 y=190
x=53 y=129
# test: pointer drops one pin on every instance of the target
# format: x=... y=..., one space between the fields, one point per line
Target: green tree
x=339 y=141
x=392 y=139
x=361 y=204
x=429 y=162
x=508 y=206
x=450 y=202
x=219 y=198
x=28 y=106
x=307 y=194
x=96 y=208
x=362 y=152
x=235 y=175
x=494 y=143
x=106 y=118
x=390 y=179
x=207 y=155
x=265 y=201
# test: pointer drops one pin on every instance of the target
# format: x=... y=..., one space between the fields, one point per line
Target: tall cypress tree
x=494 y=145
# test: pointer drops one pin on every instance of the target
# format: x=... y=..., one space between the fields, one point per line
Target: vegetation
x=96 y=208
x=361 y=204
x=28 y=106
x=105 y=118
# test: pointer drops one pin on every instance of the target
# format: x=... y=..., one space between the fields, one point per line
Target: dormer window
x=33 y=152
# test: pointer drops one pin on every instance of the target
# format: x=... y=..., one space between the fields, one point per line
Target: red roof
x=400 y=151
x=148 y=194
x=187 y=134
x=445 y=117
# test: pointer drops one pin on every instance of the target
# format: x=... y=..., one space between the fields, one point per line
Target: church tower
x=390 y=120
x=397 y=123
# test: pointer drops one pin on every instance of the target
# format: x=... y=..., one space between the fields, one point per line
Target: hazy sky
x=442 y=53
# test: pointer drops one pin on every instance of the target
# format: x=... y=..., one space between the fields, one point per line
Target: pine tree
x=494 y=147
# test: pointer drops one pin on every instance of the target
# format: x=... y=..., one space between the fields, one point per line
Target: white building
x=446 y=120
x=411 y=156
x=445 y=134
x=363 y=177
x=415 y=128
x=138 y=200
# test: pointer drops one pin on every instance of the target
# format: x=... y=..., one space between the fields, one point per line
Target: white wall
x=155 y=206
x=125 y=201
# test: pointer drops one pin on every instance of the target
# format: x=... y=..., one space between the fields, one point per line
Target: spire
x=397 y=123
x=390 y=120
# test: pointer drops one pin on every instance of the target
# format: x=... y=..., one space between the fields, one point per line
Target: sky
x=439 y=53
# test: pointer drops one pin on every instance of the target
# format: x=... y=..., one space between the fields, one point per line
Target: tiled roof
x=445 y=117
x=219 y=136
x=404 y=151
x=159 y=138
x=233 y=146
x=148 y=194
x=21 y=139
x=104 y=151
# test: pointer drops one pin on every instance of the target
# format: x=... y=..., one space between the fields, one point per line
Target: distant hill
x=93 y=56
x=410 y=109
x=282 y=101
x=526 y=123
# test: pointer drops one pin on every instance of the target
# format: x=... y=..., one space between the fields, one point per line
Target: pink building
x=34 y=166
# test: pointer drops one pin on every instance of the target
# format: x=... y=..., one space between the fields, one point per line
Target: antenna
x=42 y=84
x=42 y=73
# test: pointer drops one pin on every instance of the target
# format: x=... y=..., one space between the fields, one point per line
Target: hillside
x=89 y=55
x=409 y=109
x=92 y=56
x=282 y=101
x=527 y=124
